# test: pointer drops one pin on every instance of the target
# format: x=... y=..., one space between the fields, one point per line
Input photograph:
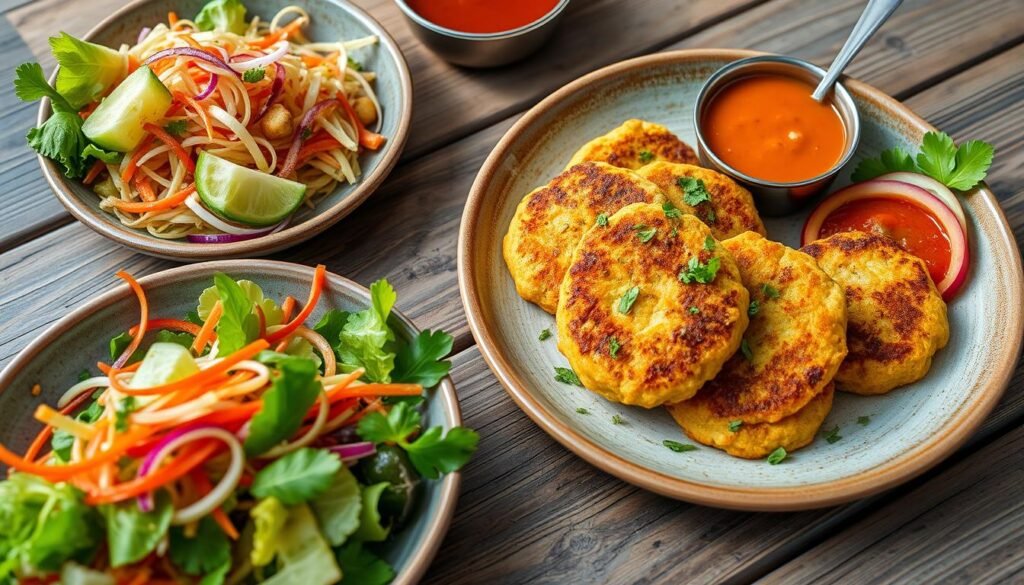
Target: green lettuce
x=131 y=533
x=224 y=15
x=363 y=340
x=293 y=391
x=338 y=507
x=87 y=70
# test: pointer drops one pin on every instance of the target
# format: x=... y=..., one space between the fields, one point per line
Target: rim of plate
x=905 y=466
x=321 y=219
x=427 y=548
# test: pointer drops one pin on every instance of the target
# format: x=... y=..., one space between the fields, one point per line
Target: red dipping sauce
x=482 y=16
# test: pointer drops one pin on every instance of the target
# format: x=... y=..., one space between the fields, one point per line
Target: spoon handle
x=875 y=13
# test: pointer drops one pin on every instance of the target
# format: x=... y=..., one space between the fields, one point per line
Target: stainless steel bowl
x=483 y=49
x=774 y=199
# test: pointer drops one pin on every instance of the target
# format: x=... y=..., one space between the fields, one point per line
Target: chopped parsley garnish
x=253 y=75
x=769 y=291
x=544 y=334
x=734 y=426
x=833 y=435
x=614 y=347
x=602 y=220
x=863 y=420
x=354 y=65
x=645 y=233
x=694 y=191
x=627 y=300
x=617 y=420
x=697 y=271
x=940 y=158
x=753 y=308
x=745 y=348
x=678 y=447
x=176 y=127
x=709 y=243
x=694 y=311
x=646 y=156
x=710 y=216
x=567 y=376
x=674 y=232
x=777 y=456
x=671 y=211
x=581 y=410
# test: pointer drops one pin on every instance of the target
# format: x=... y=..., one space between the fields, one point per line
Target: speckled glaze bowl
x=55 y=358
x=910 y=429
x=331 y=19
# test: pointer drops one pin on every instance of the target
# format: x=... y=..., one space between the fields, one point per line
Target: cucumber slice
x=117 y=122
x=245 y=195
x=164 y=363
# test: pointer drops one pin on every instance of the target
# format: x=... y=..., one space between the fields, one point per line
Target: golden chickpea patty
x=796 y=338
x=752 y=441
x=726 y=207
x=550 y=221
x=897 y=316
x=630 y=326
x=634 y=144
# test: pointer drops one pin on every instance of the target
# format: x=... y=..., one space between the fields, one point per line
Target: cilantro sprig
x=940 y=158
x=433 y=452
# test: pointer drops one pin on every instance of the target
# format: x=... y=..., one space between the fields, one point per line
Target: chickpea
x=277 y=123
x=365 y=110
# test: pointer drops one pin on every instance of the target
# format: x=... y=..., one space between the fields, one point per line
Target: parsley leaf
x=238 y=325
x=891 y=160
x=354 y=65
x=833 y=435
x=628 y=298
x=938 y=156
x=544 y=334
x=581 y=410
x=420 y=362
x=644 y=233
x=745 y=349
x=203 y=553
x=617 y=419
x=614 y=347
x=753 y=308
x=331 y=324
x=254 y=75
x=400 y=422
x=176 y=127
x=671 y=211
x=769 y=291
x=133 y=534
x=292 y=392
x=567 y=376
x=694 y=310
x=678 y=447
x=432 y=453
x=695 y=191
x=297 y=477
x=734 y=426
x=777 y=456
x=646 y=156
x=602 y=220
x=709 y=243
x=973 y=159
x=359 y=565
x=863 y=420
x=60 y=139
x=696 y=271
x=958 y=168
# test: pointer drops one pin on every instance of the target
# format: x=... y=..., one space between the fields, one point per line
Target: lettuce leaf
x=133 y=534
x=363 y=340
x=297 y=477
x=238 y=325
x=337 y=508
x=370 y=527
x=303 y=554
x=293 y=391
x=87 y=70
x=224 y=15
x=361 y=566
x=204 y=553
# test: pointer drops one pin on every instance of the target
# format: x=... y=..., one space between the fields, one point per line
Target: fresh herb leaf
x=398 y=424
x=937 y=158
x=176 y=127
x=254 y=75
x=694 y=310
x=200 y=554
x=709 y=243
x=363 y=339
x=581 y=410
x=646 y=156
x=833 y=435
x=617 y=419
x=331 y=324
x=735 y=425
x=671 y=211
x=753 y=307
x=421 y=361
x=567 y=376
x=678 y=447
x=354 y=65
x=133 y=534
x=745 y=349
x=863 y=420
x=297 y=477
x=602 y=220
x=769 y=291
x=645 y=233
x=223 y=15
x=973 y=159
x=614 y=347
x=697 y=271
x=695 y=191
x=889 y=161
x=30 y=85
x=710 y=217
x=87 y=70
x=337 y=508
x=238 y=325
x=777 y=456
x=124 y=408
x=359 y=565
x=544 y=334
x=293 y=391
x=84 y=375
x=60 y=139
x=958 y=168
x=628 y=298
x=433 y=453
x=109 y=157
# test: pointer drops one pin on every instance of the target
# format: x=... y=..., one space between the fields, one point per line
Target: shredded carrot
x=174 y=145
x=312 y=60
x=133 y=63
x=173 y=324
x=94 y=171
x=45 y=434
x=184 y=463
x=319 y=279
x=133 y=162
x=313 y=147
x=64 y=472
x=141 y=577
x=159 y=205
x=172 y=18
x=284 y=32
x=369 y=139
x=145 y=188
x=287 y=307
x=262 y=320
x=373 y=390
x=199 y=110
x=203 y=487
x=143 y=315
x=203 y=377
x=105 y=369
x=206 y=333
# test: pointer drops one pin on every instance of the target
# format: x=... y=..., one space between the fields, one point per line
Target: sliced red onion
x=146 y=500
x=229 y=238
x=143 y=34
x=263 y=60
x=305 y=129
x=275 y=92
x=353 y=451
x=197 y=208
x=193 y=53
x=209 y=87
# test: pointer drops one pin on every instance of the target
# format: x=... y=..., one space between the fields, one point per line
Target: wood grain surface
x=530 y=511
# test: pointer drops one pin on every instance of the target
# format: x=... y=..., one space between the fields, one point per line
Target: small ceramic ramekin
x=772 y=198
x=483 y=49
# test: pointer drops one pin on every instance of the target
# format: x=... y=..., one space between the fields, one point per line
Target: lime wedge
x=245 y=195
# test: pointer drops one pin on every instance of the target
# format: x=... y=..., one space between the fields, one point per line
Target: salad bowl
x=58 y=354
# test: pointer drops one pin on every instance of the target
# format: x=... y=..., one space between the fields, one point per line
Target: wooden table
x=530 y=511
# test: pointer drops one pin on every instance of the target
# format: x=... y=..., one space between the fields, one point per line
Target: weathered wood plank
x=450 y=102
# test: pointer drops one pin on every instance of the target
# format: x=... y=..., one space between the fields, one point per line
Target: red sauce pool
x=482 y=16
x=912 y=227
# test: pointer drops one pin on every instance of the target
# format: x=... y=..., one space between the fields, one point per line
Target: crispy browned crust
x=623 y=146
x=731 y=210
x=897 y=318
x=666 y=351
x=551 y=220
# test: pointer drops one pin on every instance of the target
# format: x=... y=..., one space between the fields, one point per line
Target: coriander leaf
x=87 y=70
x=65 y=528
x=694 y=310
x=696 y=271
x=645 y=233
x=354 y=65
x=297 y=477
x=889 y=161
x=238 y=325
x=628 y=298
x=30 y=85
x=671 y=211
x=203 y=553
x=745 y=350
x=337 y=508
x=293 y=390
x=363 y=339
x=937 y=158
x=361 y=566
x=133 y=534
x=646 y=156
x=617 y=419
x=567 y=376
x=544 y=334
x=973 y=159
x=109 y=157
x=614 y=347
x=331 y=324
x=678 y=447
x=709 y=243
x=863 y=420
x=434 y=454
x=581 y=410
x=223 y=15
x=695 y=191
x=769 y=291
x=254 y=75
x=777 y=456
x=60 y=139
x=183 y=339
x=833 y=435
x=400 y=422
x=753 y=307
x=118 y=344
x=216 y=576
x=176 y=127
x=421 y=361
x=735 y=425
x=602 y=219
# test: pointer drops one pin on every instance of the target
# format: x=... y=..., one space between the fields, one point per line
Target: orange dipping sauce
x=769 y=128
x=912 y=227
x=482 y=16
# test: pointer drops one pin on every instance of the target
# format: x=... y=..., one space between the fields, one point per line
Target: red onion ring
x=214 y=78
x=193 y=53
x=275 y=92
x=146 y=500
x=229 y=238
x=353 y=451
x=262 y=60
x=305 y=126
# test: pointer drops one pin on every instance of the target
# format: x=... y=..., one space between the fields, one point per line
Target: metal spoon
x=875 y=13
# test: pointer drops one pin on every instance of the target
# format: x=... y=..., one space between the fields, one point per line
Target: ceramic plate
x=911 y=429
x=56 y=357
x=330 y=19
